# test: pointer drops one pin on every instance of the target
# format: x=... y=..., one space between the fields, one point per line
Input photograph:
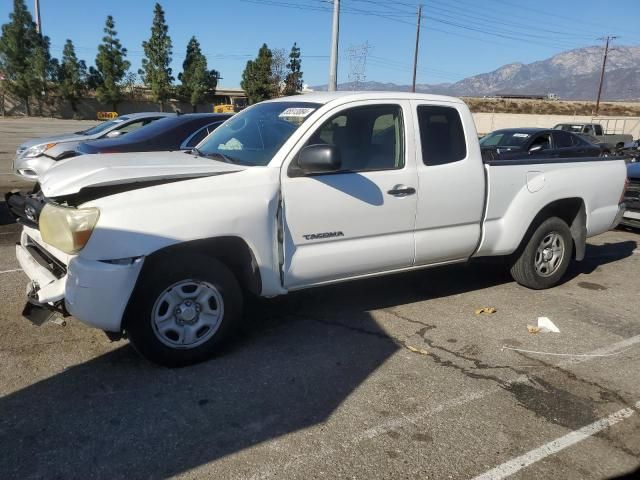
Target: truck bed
x=517 y=190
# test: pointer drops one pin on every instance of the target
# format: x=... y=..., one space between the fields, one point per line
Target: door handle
x=401 y=191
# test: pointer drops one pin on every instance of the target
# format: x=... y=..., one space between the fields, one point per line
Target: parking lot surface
x=392 y=377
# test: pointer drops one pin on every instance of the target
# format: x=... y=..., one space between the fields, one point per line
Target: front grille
x=632 y=194
x=25 y=208
x=45 y=259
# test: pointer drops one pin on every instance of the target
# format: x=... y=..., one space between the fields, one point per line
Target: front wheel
x=546 y=256
x=183 y=310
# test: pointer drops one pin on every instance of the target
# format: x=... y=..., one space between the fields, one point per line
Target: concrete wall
x=88 y=107
x=487 y=122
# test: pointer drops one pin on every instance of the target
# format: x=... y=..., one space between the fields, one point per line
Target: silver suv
x=34 y=157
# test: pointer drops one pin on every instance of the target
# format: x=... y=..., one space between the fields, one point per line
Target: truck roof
x=326 y=97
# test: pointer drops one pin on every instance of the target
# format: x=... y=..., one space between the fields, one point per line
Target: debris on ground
x=544 y=326
x=417 y=350
x=486 y=310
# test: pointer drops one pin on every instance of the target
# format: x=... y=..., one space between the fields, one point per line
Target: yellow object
x=223 y=109
x=67 y=229
x=487 y=310
x=231 y=105
x=107 y=115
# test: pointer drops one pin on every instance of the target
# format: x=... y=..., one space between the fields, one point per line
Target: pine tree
x=198 y=82
x=155 y=71
x=72 y=76
x=256 y=78
x=43 y=70
x=293 y=82
x=111 y=66
x=18 y=42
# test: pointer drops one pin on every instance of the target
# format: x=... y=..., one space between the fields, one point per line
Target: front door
x=361 y=219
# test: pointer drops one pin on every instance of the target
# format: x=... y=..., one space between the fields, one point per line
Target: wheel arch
x=233 y=251
x=572 y=211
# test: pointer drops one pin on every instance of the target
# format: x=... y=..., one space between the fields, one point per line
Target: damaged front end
x=46 y=287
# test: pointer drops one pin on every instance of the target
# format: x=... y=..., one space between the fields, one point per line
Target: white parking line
x=523 y=461
x=413 y=419
x=11 y=271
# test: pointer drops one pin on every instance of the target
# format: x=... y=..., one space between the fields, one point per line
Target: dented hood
x=70 y=176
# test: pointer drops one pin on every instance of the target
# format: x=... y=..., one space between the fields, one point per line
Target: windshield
x=103 y=126
x=504 y=139
x=254 y=135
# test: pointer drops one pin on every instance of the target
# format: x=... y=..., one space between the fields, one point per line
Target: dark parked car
x=181 y=132
x=631 y=216
x=514 y=143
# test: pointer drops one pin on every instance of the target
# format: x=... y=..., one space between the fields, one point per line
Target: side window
x=598 y=129
x=201 y=134
x=130 y=127
x=441 y=135
x=543 y=139
x=369 y=138
x=197 y=138
x=563 y=139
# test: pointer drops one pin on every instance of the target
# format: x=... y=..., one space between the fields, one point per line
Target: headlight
x=67 y=229
x=38 y=150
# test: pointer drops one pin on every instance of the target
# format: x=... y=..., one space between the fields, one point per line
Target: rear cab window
x=442 y=136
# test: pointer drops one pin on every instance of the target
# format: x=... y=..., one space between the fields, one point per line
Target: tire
x=605 y=153
x=183 y=310
x=546 y=256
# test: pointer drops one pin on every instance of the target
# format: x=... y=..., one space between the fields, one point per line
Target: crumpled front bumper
x=95 y=292
x=616 y=221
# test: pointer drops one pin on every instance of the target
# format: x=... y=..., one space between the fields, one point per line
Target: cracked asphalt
x=393 y=377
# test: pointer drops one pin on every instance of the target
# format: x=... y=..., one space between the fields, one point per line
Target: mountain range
x=572 y=75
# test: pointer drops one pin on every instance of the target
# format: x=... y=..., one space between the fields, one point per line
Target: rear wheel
x=183 y=310
x=546 y=256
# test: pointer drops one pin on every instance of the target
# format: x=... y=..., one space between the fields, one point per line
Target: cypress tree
x=256 y=78
x=198 y=83
x=18 y=42
x=155 y=71
x=293 y=82
x=111 y=66
x=72 y=76
x=43 y=70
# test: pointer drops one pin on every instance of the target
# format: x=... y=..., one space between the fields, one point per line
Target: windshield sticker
x=296 y=112
x=521 y=135
x=233 y=144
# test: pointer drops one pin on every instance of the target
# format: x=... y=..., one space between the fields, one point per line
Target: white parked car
x=290 y=194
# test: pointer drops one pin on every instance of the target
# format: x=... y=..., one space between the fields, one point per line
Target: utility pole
x=333 y=62
x=415 y=54
x=608 y=39
x=38 y=22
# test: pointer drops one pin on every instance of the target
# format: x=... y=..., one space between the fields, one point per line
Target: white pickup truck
x=290 y=194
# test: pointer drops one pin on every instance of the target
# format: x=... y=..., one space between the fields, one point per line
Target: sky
x=458 y=38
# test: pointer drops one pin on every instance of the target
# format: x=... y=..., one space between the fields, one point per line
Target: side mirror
x=536 y=148
x=114 y=133
x=320 y=159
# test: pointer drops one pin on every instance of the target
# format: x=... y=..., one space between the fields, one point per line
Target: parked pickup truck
x=614 y=140
x=290 y=194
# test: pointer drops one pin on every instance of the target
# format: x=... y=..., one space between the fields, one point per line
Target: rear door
x=451 y=181
x=361 y=219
